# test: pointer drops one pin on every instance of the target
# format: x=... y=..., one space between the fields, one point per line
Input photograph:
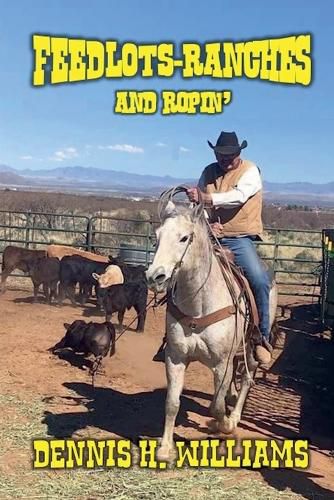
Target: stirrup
x=159 y=356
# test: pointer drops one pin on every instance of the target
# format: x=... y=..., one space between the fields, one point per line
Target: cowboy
x=231 y=190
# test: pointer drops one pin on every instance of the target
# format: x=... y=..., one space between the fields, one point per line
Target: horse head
x=174 y=238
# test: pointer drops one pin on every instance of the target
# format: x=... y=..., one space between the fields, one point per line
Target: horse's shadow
x=129 y=416
x=298 y=481
x=303 y=372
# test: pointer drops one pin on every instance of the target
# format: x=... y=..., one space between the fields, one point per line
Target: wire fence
x=294 y=255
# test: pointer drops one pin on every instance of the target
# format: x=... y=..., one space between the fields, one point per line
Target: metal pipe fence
x=291 y=253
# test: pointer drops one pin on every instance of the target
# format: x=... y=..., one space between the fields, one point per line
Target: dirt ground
x=293 y=399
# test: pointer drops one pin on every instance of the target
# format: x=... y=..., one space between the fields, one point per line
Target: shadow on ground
x=294 y=399
x=127 y=415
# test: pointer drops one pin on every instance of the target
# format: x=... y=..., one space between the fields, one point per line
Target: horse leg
x=232 y=393
x=222 y=381
x=175 y=379
x=231 y=422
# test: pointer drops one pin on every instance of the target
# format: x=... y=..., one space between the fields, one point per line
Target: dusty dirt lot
x=293 y=399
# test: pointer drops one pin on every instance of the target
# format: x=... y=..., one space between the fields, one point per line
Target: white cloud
x=161 y=144
x=26 y=157
x=182 y=149
x=65 y=154
x=125 y=148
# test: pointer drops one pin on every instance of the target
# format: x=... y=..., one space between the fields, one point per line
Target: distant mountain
x=10 y=178
x=6 y=168
x=103 y=180
x=299 y=188
x=99 y=175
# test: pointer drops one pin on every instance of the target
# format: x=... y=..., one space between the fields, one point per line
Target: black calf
x=88 y=338
x=118 y=298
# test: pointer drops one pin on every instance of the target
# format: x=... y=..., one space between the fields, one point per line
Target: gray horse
x=185 y=262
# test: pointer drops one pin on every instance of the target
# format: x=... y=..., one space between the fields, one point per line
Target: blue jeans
x=247 y=258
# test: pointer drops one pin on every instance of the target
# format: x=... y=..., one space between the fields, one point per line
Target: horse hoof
x=213 y=426
x=163 y=454
x=227 y=425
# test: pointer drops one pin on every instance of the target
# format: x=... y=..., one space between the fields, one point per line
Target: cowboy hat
x=228 y=144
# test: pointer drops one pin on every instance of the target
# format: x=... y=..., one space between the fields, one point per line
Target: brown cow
x=61 y=251
x=17 y=258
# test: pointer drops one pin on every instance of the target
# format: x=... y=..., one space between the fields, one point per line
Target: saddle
x=244 y=289
x=224 y=255
x=226 y=260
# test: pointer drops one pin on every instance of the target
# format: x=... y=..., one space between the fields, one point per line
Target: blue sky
x=289 y=129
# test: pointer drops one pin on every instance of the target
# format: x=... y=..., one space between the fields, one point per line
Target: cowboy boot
x=263 y=352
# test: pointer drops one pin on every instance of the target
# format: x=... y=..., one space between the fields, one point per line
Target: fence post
x=33 y=231
x=27 y=232
x=277 y=237
x=148 y=238
x=89 y=234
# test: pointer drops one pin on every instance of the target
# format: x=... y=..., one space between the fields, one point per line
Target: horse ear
x=197 y=212
x=169 y=210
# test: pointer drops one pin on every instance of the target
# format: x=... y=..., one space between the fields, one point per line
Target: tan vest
x=237 y=221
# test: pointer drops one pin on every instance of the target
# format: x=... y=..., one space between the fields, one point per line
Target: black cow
x=89 y=338
x=45 y=271
x=118 y=298
x=130 y=273
x=17 y=258
x=133 y=273
x=76 y=269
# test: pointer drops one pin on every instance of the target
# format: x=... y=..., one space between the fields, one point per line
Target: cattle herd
x=60 y=269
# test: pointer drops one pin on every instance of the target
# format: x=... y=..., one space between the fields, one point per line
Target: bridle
x=171 y=289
